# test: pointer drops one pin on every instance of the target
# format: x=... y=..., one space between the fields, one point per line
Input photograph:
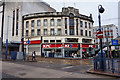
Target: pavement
x=49 y=68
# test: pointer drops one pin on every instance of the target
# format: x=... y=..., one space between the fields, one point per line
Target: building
x=109 y=31
x=61 y=33
x=16 y=10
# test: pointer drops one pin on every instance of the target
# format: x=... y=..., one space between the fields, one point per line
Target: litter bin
x=13 y=55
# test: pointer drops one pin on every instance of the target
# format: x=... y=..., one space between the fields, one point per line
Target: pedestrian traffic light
x=78 y=47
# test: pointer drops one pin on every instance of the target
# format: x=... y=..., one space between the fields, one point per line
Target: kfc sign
x=67 y=45
x=46 y=46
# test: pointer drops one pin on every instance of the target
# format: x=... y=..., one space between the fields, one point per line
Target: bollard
x=113 y=66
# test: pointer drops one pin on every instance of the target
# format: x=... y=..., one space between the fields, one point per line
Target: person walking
x=33 y=56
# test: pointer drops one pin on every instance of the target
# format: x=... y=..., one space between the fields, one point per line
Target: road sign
x=114 y=42
x=100 y=34
x=71 y=46
x=28 y=41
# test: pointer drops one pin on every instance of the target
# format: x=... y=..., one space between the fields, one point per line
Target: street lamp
x=101 y=10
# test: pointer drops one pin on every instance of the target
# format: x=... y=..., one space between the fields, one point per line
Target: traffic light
x=78 y=47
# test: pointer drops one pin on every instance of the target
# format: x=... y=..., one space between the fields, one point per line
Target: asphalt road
x=48 y=69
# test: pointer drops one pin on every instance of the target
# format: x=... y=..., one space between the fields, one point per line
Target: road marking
x=67 y=67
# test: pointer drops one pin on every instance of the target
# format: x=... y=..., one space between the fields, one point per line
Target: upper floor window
x=38 y=22
x=32 y=23
x=45 y=31
x=38 y=32
x=85 y=32
x=59 y=22
x=32 y=32
x=52 y=32
x=81 y=32
x=81 y=24
x=52 y=22
x=90 y=33
x=27 y=24
x=45 y=22
x=89 y=26
x=27 y=32
x=59 y=32
x=85 y=24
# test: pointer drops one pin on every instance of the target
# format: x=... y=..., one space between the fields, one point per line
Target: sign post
x=27 y=49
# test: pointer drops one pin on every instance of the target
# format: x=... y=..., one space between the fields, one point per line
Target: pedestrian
x=33 y=56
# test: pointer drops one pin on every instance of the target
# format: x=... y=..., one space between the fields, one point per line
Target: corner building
x=59 y=33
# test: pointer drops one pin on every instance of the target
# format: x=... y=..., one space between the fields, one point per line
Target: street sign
x=28 y=41
x=114 y=42
x=100 y=34
x=71 y=46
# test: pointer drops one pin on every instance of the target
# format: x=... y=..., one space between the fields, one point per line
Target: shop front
x=67 y=50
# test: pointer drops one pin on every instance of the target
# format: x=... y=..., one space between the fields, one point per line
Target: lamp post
x=101 y=10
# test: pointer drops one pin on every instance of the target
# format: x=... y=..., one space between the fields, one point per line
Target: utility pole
x=2 y=28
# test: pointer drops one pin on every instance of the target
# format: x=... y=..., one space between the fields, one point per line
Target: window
x=38 y=32
x=13 y=23
x=81 y=24
x=85 y=32
x=27 y=24
x=32 y=23
x=76 y=26
x=85 y=24
x=45 y=22
x=71 y=31
x=59 y=22
x=58 y=40
x=90 y=33
x=111 y=34
x=89 y=26
x=65 y=32
x=65 y=23
x=52 y=22
x=45 y=41
x=38 y=22
x=27 y=32
x=81 y=32
x=45 y=31
x=52 y=31
x=17 y=18
x=32 y=32
x=52 y=40
x=71 y=24
x=59 y=31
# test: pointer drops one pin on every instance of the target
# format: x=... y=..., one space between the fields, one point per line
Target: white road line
x=67 y=67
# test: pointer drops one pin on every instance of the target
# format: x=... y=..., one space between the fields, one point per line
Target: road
x=48 y=69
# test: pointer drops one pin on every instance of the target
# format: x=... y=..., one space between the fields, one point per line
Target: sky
x=110 y=16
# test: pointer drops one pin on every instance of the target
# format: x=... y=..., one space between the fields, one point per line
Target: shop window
x=58 y=41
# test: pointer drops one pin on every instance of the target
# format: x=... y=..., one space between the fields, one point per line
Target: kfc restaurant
x=66 y=50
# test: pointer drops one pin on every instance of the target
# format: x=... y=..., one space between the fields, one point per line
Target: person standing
x=33 y=56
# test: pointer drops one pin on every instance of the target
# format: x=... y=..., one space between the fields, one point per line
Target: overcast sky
x=110 y=16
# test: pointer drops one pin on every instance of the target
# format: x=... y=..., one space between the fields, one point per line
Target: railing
x=112 y=65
